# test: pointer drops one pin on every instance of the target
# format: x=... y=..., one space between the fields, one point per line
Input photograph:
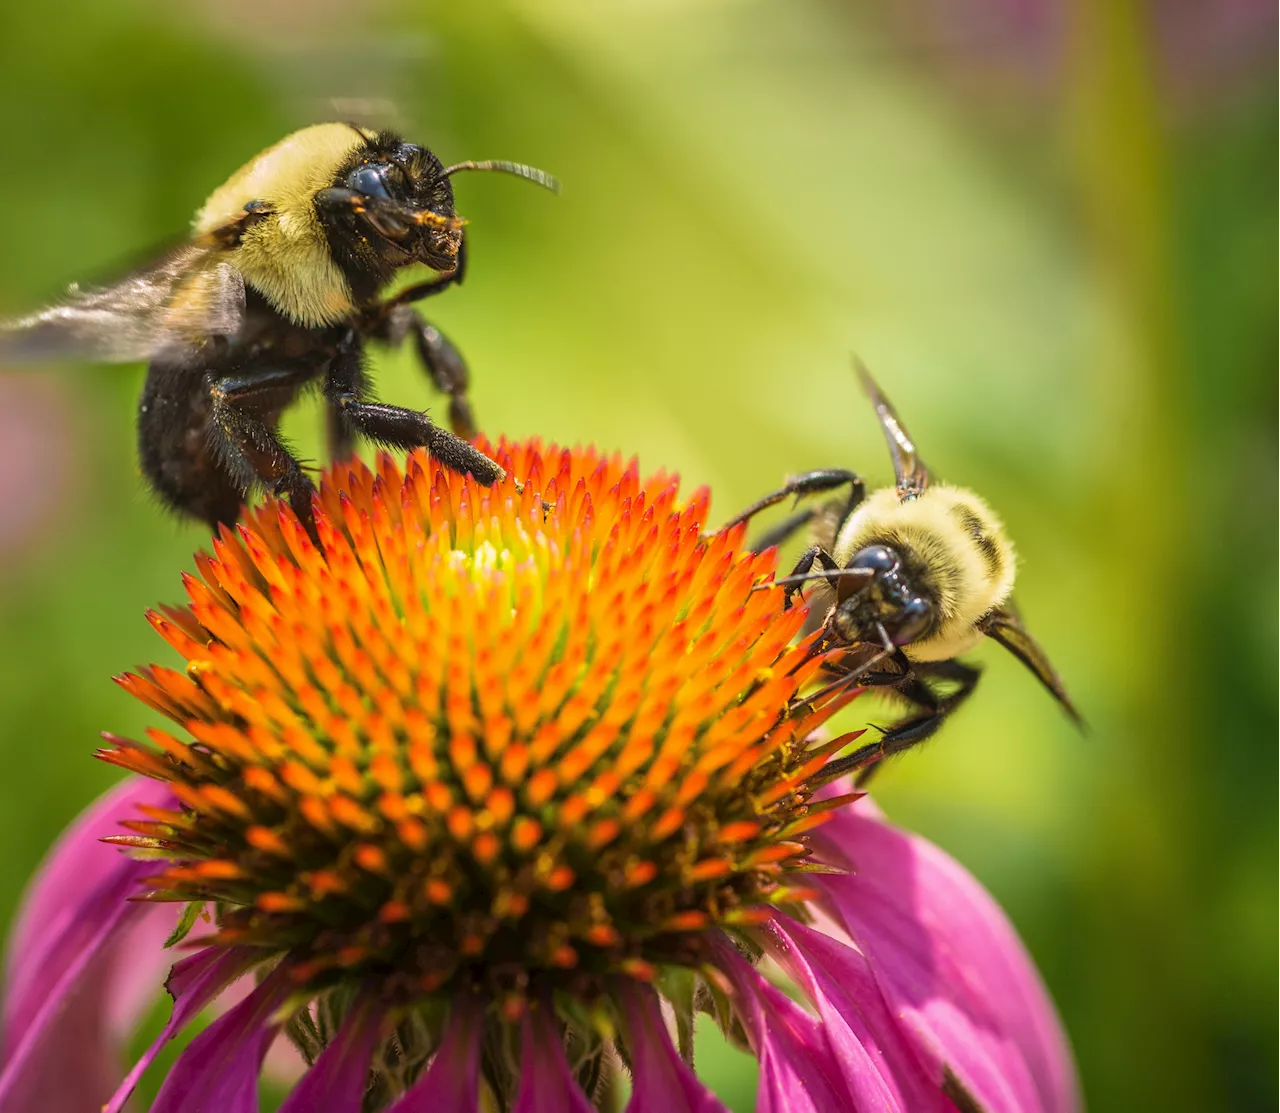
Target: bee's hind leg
x=242 y=414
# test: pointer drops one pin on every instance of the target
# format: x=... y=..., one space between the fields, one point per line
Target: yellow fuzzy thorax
x=285 y=256
x=957 y=537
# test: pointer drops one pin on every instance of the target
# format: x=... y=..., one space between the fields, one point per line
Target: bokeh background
x=1048 y=226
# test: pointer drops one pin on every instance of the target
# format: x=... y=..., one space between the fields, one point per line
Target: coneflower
x=478 y=801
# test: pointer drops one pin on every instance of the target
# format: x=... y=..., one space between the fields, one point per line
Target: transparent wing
x=909 y=470
x=189 y=293
x=1004 y=625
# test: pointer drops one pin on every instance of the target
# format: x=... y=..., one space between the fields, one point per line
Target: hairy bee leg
x=396 y=426
x=249 y=446
x=448 y=371
x=183 y=467
x=920 y=728
x=815 y=555
x=810 y=483
x=445 y=365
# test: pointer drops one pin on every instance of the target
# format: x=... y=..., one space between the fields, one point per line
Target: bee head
x=391 y=204
x=891 y=598
x=398 y=199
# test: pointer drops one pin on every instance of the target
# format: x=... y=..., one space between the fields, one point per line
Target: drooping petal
x=661 y=1082
x=798 y=1068
x=880 y=1070
x=77 y=861
x=67 y=956
x=338 y=1079
x=193 y=984
x=451 y=1084
x=138 y=964
x=950 y=966
x=218 y=1070
x=546 y=1083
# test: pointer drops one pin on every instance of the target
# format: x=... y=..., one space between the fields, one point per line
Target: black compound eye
x=879 y=558
x=913 y=621
x=370 y=180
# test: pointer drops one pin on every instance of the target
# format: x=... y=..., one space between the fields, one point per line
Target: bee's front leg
x=798 y=487
x=396 y=319
x=394 y=426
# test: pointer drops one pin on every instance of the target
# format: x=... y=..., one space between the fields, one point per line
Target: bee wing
x=189 y=293
x=1004 y=625
x=908 y=469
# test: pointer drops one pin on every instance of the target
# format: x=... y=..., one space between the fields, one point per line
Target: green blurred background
x=1049 y=227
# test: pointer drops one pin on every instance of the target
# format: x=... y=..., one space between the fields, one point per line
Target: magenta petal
x=218 y=1071
x=65 y=960
x=451 y=1083
x=338 y=1079
x=880 y=1069
x=950 y=966
x=546 y=1083
x=76 y=864
x=661 y=1082
x=193 y=984
x=138 y=965
x=798 y=1068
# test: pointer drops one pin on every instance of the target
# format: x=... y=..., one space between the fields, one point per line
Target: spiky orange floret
x=539 y=730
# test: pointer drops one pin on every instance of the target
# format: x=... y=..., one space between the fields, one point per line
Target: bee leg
x=814 y=555
x=175 y=451
x=396 y=426
x=250 y=449
x=920 y=728
x=447 y=368
x=448 y=371
x=810 y=483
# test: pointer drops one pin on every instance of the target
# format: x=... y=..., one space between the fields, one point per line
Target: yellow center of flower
x=521 y=735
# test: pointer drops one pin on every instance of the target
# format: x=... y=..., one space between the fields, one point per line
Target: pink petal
x=218 y=1070
x=68 y=957
x=194 y=982
x=77 y=860
x=284 y=1063
x=950 y=966
x=798 y=1068
x=661 y=1082
x=139 y=963
x=546 y=1083
x=451 y=1083
x=338 y=1079
x=880 y=1069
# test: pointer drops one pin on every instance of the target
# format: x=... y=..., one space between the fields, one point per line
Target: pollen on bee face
x=546 y=725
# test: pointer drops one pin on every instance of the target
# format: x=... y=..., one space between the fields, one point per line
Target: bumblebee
x=279 y=288
x=914 y=575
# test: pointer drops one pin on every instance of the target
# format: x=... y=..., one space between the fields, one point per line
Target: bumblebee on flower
x=476 y=796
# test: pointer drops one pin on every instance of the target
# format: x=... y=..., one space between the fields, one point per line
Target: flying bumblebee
x=278 y=288
x=916 y=574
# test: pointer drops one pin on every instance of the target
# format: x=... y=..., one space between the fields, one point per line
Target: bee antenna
x=519 y=169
